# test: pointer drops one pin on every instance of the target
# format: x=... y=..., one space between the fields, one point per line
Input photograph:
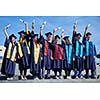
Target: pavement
x=30 y=79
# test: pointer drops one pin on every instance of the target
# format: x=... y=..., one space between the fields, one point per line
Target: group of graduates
x=43 y=55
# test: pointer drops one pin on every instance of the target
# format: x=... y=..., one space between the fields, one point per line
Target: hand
x=6 y=27
x=51 y=58
x=21 y=20
x=94 y=57
x=54 y=30
x=62 y=34
x=73 y=59
x=84 y=57
x=74 y=26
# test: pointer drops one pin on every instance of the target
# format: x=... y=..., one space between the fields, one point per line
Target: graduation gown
x=35 y=58
x=58 y=55
x=78 y=55
x=68 y=57
x=89 y=53
x=8 y=64
x=47 y=52
x=23 y=54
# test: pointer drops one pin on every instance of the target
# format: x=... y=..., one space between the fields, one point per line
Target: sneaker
x=60 y=77
x=37 y=78
x=93 y=77
x=57 y=77
x=22 y=78
x=68 y=77
x=8 y=79
x=25 y=78
x=73 y=76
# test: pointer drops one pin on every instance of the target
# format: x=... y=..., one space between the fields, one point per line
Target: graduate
x=89 y=55
x=68 y=50
x=9 y=61
x=57 y=57
x=77 y=55
x=35 y=57
x=47 y=53
x=23 y=51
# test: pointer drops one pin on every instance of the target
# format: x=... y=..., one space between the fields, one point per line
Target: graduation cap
x=34 y=35
x=66 y=37
x=78 y=34
x=57 y=36
x=21 y=32
x=47 y=34
x=12 y=35
x=88 y=33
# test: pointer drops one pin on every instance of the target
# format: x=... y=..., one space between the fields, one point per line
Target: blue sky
x=66 y=22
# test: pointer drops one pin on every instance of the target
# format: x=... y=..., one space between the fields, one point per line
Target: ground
x=30 y=80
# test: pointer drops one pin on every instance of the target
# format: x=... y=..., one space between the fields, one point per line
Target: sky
x=65 y=22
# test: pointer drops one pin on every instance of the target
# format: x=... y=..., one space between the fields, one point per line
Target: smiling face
x=36 y=38
x=67 y=41
x=48 y=37
x=88 y=37
x=22 y=36
x=78 y=37
x=13 y=40
x=57 y=40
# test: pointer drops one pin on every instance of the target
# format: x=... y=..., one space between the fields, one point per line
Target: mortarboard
x=47 y=34
x=57 y=36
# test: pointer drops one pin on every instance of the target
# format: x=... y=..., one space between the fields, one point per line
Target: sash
x=56 y=51
x=87 y=48
x=61 y=53
x=9 y=56
x=81 y=50
x=68 y=53
x=36 y=52
x=45 y=48
x=20 y=49
x=77 y=48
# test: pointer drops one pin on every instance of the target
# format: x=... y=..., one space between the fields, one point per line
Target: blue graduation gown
x=24 y=60
x=46 y=52
x=78 y=55
x=8 y=66
x=58 y=56
x=68 y=51
x=89 y=53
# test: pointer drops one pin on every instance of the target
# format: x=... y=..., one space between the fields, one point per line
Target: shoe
x=8 y=79
x=93 y=77
x=37 y=78
x=22 y=78
x=68 y=77
x=25 y=78
x=11 y=78
x=87 y=77
x=57 y=77
x=60 y=77
x=73 y=77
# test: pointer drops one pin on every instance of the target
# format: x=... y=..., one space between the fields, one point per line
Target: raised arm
x=53 y=36
x=42 y=27
x=32 y=26
x=62 y=36
x=5 y=31
x=26 y=25
x=86 y=28
x=74 y=33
